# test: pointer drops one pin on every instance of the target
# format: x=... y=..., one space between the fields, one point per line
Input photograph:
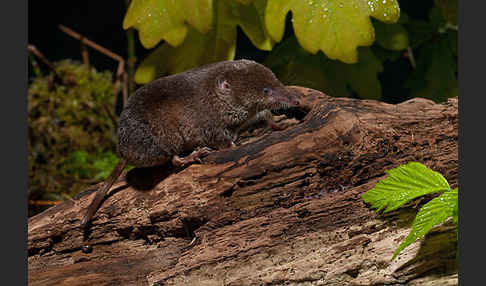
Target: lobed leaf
x=333 y=26
x=404 y=184
x=430 y=215
x=158 y=20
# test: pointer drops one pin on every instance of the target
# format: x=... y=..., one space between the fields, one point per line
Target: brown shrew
x=198 y=110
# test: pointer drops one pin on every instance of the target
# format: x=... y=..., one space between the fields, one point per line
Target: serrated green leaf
x=335 y=27
x=293 y=65
x=216 y=45
x=430 y=215
x=455 y=213
x=391 y=36
x=435 y=76
x=404 y=184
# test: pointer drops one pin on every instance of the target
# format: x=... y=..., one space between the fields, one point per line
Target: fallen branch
x=282 y=208
x=121 y=62
x=37 y=53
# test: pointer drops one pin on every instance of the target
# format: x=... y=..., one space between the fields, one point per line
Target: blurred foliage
x=71 y=133
x=368 y=49
x=449 y=10
x=435 y=42
x=293 y=65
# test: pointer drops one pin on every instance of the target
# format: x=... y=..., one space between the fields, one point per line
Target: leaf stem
x=411 y=57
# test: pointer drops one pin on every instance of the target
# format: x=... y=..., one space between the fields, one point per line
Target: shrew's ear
x=223 y=86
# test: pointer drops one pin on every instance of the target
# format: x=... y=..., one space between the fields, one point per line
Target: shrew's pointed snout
x=284 y=97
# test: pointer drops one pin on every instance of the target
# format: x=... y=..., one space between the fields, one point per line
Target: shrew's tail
x=101 y=192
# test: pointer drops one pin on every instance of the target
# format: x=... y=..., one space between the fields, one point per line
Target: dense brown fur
x=202 y=107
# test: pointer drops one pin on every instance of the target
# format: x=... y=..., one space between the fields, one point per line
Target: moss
x=71 y=133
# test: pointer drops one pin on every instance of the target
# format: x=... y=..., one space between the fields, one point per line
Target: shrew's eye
x=267 y=91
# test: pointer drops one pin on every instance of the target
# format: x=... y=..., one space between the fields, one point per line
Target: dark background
x=99 y=21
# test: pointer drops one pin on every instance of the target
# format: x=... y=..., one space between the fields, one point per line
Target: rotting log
x=282 y=208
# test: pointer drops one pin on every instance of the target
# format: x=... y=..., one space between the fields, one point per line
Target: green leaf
x=245 y=2
x=404 y=184
x=384 y=55
x=449 y=10
x=419 y=31
x=391 y=36
x=455 y=217
x=335 y=27
x=293 y=65
x=216 y=45
x=158 y=20
x=403 y=18
x=435 y=76
x=452 y=37
x=436 y=18
x=362 y=76
x=251 y=19
x=430 y=215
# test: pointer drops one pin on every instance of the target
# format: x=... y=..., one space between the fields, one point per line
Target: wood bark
x=282 y=208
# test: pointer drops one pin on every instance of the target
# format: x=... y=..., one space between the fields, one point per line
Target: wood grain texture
x=282 y=208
